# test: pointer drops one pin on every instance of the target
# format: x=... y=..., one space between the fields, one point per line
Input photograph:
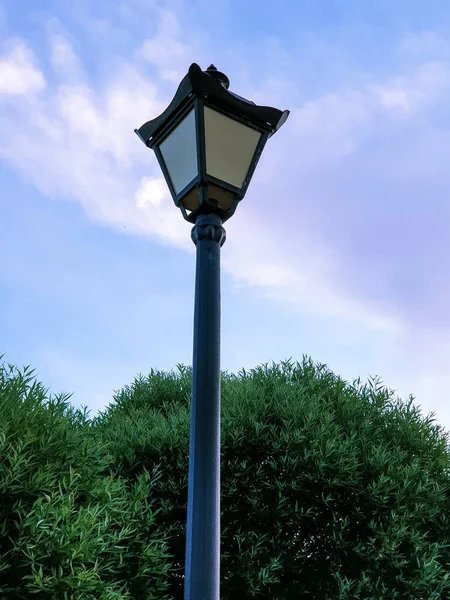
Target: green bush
x=329 y=490
x=66 y=529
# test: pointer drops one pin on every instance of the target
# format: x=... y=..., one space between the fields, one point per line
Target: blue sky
x=340 y=248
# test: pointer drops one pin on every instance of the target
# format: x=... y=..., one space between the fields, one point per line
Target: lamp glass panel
x=230 y=147
x=179 y=151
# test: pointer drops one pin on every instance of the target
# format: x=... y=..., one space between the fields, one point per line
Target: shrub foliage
x=66 y=529
x=330 y=490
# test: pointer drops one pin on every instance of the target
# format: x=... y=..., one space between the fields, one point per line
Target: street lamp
x=208 y=142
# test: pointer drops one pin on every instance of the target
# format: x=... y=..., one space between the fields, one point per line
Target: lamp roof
x=212 y=84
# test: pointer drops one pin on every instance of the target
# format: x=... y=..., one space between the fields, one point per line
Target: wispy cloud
x=64 y=61
x=77 y=143
x=167 y=50
x=335 y=124
x=18 y=72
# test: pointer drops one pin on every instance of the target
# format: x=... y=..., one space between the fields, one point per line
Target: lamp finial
x=219 y=76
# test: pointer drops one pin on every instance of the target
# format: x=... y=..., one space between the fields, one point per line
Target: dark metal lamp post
x=208 y=142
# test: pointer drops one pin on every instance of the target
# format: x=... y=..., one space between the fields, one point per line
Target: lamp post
x=208 y=142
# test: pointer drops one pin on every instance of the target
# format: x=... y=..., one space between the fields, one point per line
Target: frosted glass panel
x=179 y=151
x=230 y=147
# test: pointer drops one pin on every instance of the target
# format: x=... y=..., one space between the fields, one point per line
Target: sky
x=340 y=249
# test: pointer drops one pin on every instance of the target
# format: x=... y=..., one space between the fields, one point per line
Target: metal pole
x=202 y=570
